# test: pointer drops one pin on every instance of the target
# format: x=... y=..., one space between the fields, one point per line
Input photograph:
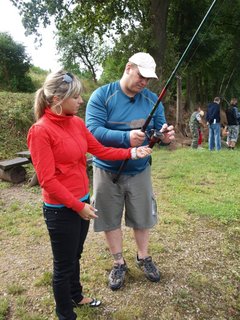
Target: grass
x=4 y=307
x=195 y=243
x=15 y=289
x=199 y=182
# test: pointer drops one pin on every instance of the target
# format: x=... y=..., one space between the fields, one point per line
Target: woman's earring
x=60 y=112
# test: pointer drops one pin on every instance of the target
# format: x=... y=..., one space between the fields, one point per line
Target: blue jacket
x=111 y=115
x=213 y=113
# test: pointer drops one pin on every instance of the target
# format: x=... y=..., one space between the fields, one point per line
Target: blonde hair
x=55 y=85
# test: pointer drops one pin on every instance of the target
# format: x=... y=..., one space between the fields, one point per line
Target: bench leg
x=33 y=181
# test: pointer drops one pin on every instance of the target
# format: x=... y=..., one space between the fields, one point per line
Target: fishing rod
x=164 y=90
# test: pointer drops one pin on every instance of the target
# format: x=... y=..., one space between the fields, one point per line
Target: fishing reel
x=155 y=136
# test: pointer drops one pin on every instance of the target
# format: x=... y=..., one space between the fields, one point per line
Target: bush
x=15 y=66
x=16 y=118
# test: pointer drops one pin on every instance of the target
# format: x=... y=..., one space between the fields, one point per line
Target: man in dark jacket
x=233 y=125
x=213 y=121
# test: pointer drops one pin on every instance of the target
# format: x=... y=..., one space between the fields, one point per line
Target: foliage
x=125 y=47
x=38 y=76
x=81 y=51
x=209 y=69
x=98 y=17
x=16 y=118
x=15 y=65
x=105 y=20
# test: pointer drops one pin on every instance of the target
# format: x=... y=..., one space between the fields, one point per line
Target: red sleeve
x=43 y=161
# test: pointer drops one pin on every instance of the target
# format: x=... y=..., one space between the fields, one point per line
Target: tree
x=105 y=18
x=155 y=26
x=214 y=56
x=15 y=65
x=80 y=52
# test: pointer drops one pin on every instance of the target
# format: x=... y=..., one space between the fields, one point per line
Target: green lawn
x=198 y=182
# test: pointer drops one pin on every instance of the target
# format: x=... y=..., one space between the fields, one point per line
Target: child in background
x=195 y=124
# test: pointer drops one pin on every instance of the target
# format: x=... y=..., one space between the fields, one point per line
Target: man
x=115 y=113
x=195 y=124
x=213 y=122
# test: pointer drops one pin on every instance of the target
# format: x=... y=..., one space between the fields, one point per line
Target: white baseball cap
x=145 y=63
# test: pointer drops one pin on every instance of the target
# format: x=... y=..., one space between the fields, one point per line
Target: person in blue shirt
x=213 y=121
x=115 y=114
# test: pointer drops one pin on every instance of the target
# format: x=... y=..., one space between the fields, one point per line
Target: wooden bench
x=12 y=170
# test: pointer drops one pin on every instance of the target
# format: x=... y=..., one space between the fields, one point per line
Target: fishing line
x=203 y=37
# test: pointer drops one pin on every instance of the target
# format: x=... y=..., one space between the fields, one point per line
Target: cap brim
x=147 y=73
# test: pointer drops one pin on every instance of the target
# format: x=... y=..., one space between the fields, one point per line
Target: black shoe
x=117 y=276
x=149 y=268
x=93 y=303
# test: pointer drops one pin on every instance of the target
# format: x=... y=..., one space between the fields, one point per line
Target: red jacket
x=58 y=147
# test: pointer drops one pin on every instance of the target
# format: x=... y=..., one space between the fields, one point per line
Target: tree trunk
x=14 y=175
x=179 y=104
x=158 y=21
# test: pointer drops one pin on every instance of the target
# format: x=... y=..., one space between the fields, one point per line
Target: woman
x=58 y=143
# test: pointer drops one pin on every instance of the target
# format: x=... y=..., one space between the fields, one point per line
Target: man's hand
x=137 y=138
x=169 y=133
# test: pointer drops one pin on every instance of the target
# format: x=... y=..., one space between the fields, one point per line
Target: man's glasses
x=67 y=77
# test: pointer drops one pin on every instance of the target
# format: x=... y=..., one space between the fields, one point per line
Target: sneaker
x=117 y=276
x=149 y=268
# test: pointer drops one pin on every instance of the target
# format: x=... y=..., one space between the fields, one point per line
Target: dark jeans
x=67 y=231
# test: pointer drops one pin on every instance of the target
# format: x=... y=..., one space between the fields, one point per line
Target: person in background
x=195 y=124
x=213 y=121
x=232 y=124
x=58 y=143
x=115 y=113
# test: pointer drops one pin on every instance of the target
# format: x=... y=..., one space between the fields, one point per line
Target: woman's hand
x=88 y=212
x=140 y=152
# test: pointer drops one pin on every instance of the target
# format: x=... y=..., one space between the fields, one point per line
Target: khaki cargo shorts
x=131 y=197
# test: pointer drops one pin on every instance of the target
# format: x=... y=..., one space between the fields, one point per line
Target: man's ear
x=127 y=68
